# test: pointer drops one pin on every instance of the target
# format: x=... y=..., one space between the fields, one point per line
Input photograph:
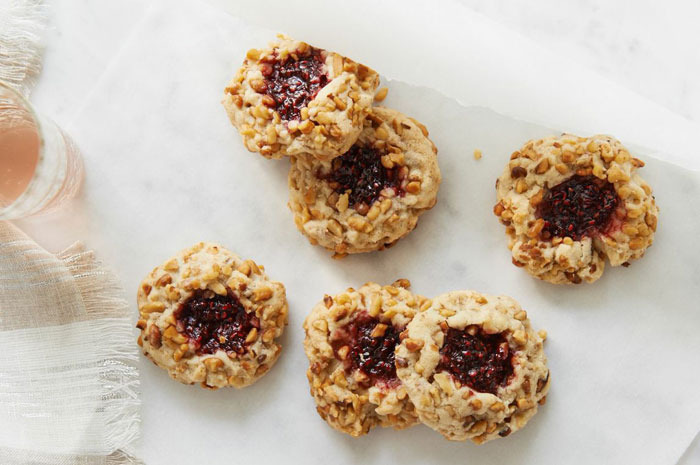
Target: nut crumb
x=381 y=94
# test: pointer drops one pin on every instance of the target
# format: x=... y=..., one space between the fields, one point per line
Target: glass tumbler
x=40 y=167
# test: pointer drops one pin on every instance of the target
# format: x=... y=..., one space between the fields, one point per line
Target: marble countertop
x=87 y=38
x=648 y=46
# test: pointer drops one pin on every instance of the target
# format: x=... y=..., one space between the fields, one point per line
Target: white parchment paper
x=165 y=169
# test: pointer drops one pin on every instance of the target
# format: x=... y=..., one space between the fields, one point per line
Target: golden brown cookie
x=473 y=366
x=292 y=98
x=569 y=202
x=350 y=342
x=372 y=195
x=209 y=317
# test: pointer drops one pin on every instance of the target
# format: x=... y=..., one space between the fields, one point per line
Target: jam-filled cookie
x=292 y=98
x=209 y=317
x=350 y=342
x=569 y=202
x=473 y=366
x=372 y=195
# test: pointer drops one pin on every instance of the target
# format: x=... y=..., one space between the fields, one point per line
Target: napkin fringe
x=122 y=458
x=108 y=313
x=22 y=23
x=99 y=287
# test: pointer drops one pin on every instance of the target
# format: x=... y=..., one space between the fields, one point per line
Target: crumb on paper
x=477 y=154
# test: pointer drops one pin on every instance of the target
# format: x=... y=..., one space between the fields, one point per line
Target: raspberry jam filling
x=370 y=349
x=292 y=84
x=213 y=322
x=580 y=206
x=360 y=171
x=481 y=361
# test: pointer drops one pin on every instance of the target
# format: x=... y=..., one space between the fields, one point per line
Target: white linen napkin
x=69 y=385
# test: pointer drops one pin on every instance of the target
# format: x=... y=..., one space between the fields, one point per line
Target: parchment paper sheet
x=165 y=169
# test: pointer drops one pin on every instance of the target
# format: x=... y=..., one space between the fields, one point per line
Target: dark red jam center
x=578 y=207
x=373 y=356
x=360 y=171
x=481 y=361
x=292 y=84
x=213 y=322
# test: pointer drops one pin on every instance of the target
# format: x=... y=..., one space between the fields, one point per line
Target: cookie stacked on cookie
x=468 y=365
x=361 y=174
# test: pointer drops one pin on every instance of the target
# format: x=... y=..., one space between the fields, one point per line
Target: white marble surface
x=87 y=41
x=648 y=46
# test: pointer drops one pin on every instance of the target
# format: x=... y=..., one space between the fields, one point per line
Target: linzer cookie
x=209 y=317
x=473 y=366
x=350 y=342
x=569 y=203
x=372 y=195
x=292 y=98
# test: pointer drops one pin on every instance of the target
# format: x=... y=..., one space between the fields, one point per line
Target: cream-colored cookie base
x=547 y=162
x=457 y=411
x=211 y=268
x=325 y=217
x=329 y=125
x=342 y=398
